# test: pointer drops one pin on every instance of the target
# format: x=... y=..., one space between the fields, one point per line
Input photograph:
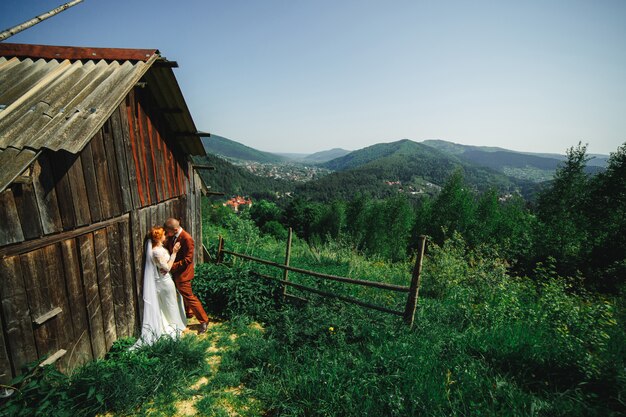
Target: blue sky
x=305 y=76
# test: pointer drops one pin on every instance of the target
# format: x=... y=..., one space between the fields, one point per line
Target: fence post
x=411 y=302
x=287 y=257
x=220 y=247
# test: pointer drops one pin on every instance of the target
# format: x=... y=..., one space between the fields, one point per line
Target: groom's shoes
x=203 y=327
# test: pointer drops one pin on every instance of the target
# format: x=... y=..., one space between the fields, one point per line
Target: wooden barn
x=95 y=148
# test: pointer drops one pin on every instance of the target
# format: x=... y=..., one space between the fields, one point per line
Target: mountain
x=230 y=149
x=388 y=168
x=325 y=156
x=522 y=165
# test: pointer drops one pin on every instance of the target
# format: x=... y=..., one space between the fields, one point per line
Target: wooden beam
x=202 y=166
x=53 y=358
x=162 y=63
x=363 y=282
x=334 y=295
x=24 y=179
x=47 y=316
x=205 y=254
x=31 y=245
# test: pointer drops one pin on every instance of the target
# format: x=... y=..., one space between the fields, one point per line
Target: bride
x=163 y=310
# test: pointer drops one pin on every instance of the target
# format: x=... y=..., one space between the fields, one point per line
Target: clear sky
x=305 y=76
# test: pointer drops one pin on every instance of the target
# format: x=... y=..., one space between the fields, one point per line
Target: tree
x=561 y=209
x=453 y=209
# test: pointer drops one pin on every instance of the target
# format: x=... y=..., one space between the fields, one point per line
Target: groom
x=182 y=271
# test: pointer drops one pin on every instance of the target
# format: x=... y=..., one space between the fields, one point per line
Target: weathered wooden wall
x=72 y=239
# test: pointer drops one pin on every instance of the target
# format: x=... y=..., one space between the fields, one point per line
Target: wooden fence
x=412 y=290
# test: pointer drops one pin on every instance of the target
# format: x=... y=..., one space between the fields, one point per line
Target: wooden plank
x=138 y=198
x=60 y=167
x=103 y=266
x=171 y=175
x=26 y=204
x=114 y=176
x=163 y=165
x=105 y=190
x=43 y=184
x=150 y=136
x=6 y=373
x=117 y=280
x=128 y=275
x=333 y=295
x=11 y=229
x=147 y=153
x=162 y=213
x=16 y=315
x=37 y=290
x=57 y=294
x=91 y=183
x=154 y=217
x=80 y=351
x=137 y=244
x=53 y=358
x=92 y=297
x=411 y=303
x=141 y=154
x=365 y=283
x=117 y=130
x=48 y=240
x=78 y=190
x=47 y=316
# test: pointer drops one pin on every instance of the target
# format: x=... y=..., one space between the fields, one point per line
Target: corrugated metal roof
x=59 y=103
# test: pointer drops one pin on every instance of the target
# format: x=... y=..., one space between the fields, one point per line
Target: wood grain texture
x=45 y=193
x=103 y=267
x=80 y=349
x=16 y=315
x=26 y=205
x=11 y=229
x=92 y=296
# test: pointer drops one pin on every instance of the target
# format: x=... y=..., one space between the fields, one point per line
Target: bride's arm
x=165 y=262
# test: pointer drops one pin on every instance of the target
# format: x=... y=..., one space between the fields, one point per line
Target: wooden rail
x=331 y=294
x=408 y=314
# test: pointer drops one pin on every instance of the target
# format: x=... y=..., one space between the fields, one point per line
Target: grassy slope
x=484 y=343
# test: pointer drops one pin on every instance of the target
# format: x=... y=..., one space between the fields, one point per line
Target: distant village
x=286 y=171
x=425 y=188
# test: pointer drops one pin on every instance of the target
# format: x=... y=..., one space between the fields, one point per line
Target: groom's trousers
x=192 y=303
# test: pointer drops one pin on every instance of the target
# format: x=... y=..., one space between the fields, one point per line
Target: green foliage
x=122 y=382
x=366 y=172
x=581 y=220
x=484 y=342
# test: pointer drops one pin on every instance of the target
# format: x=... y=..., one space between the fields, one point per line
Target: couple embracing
x=167 y=295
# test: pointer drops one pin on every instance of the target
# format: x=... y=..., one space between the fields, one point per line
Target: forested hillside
x=368 y=171
x=521 y=165
x=230 y=180
x=229 y=148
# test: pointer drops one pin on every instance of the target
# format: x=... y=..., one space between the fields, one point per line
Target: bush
x=120 y=383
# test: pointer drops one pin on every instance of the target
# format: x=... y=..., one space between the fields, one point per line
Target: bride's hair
x=155 y=234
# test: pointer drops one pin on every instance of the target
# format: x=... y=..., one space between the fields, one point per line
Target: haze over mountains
x=411 y=167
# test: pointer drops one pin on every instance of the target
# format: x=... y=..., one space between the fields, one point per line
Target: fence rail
x=408 y=314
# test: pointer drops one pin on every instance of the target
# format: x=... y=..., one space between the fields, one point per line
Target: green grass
x=484 y=342
x=124 y=382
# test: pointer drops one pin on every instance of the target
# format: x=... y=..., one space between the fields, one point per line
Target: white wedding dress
x=163 y=310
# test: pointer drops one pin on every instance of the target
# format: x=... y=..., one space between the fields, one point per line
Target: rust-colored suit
x=183 y=271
